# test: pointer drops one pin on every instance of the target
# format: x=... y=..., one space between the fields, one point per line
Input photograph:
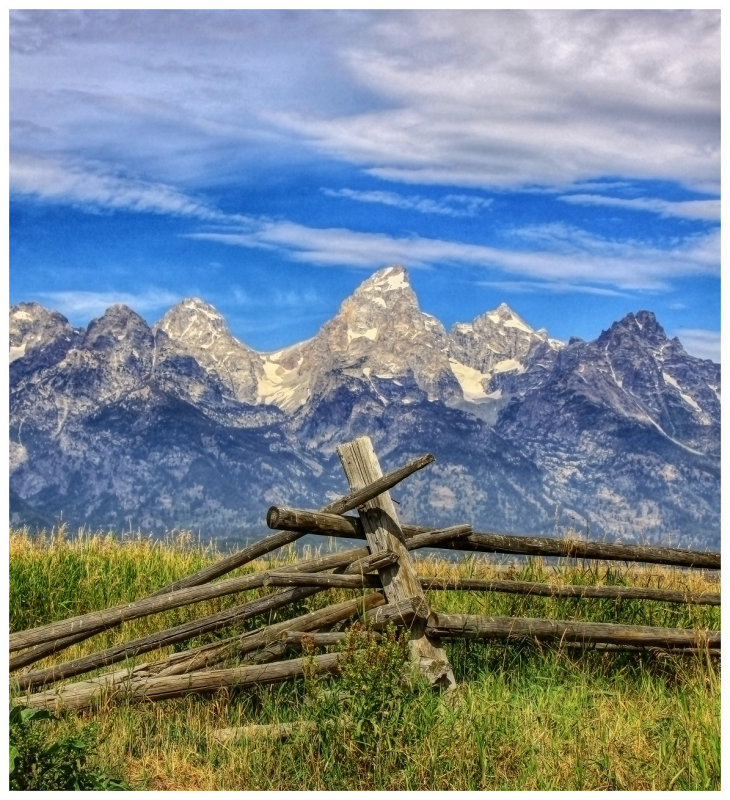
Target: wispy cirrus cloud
x=450 y=205
x=708 y=210
x=559 y=254
x=82 y=305
x=93 y=186
x=547 y=287
x=482 y=99
x=701 y=343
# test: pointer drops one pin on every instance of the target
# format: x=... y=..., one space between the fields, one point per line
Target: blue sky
x=567 y=163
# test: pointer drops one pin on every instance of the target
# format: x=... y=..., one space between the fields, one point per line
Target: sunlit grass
x=523 y=716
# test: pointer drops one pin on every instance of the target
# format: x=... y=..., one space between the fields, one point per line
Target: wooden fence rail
x=281 y=517
x=238 y=559
x=383 y=566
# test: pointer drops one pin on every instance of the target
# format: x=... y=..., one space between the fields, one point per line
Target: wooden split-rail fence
x=384 y=566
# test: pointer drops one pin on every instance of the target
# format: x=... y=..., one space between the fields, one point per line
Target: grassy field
x=524 y=717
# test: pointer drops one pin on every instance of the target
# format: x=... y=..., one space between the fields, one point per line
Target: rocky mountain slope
x=181 y=425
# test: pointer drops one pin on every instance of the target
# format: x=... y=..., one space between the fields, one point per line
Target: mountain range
x=181 y=425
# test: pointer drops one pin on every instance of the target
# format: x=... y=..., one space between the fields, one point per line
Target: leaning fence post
x=400 y=582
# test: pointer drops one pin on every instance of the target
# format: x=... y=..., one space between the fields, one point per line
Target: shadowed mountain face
x=181 y=425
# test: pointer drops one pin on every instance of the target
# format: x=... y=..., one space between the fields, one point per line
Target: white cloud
x=450 y=205
x=83 y=305
x=468 y=98
x=700 y=343
x=708 y=210
x=543 y=287
x=519 y=98
x=557 y=254
x=92 y=187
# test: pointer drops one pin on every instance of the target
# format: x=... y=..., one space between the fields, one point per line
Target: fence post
x=400 y=582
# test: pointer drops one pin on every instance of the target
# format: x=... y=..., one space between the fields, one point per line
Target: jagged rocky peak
x=385 y=295
x=32 y=326
x=498 y=340
x=381 y=332
x=199 y=329
x=385 y=281
x=118 y=325
x=642 y=327
x=194 y=322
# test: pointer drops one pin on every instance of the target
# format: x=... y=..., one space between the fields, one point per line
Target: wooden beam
x=273 y=730
x=406 y=612
x=380 y=524
x=572 y=590
x=357 y=560
x=284 y=518
x=83 y=695
x=480 y=627
x=378 y=486
x=232 y=562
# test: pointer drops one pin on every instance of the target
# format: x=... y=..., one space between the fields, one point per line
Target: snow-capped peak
x=496 y=342
x=504 y=315
x=387 y=280
x=200 y=329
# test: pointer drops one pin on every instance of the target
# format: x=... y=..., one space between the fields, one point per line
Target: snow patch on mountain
x=281 y=382
x=471 y=381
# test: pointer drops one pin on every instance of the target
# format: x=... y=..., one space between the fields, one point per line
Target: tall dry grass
x=523 y=717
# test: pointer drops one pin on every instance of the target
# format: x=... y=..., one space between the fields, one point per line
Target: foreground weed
x=41 y=763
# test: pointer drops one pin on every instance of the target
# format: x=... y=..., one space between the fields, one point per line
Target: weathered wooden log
x=284 y=518
x=571 y=590
x=310 y=521
x=274 y=730
x=82 y=695
x=402 y=612
x=382 y=531
x=615 y=648
x=234 y=561
x=479 y=627
x=182 y=597
x=324 y=580
x=436 y=537
x=358 y=560
x=315 y=638
x=377 y=486
x=334 y=638
x=505 y=586
x=155 y=641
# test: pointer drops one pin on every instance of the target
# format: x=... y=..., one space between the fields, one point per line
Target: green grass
x=523 y=716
